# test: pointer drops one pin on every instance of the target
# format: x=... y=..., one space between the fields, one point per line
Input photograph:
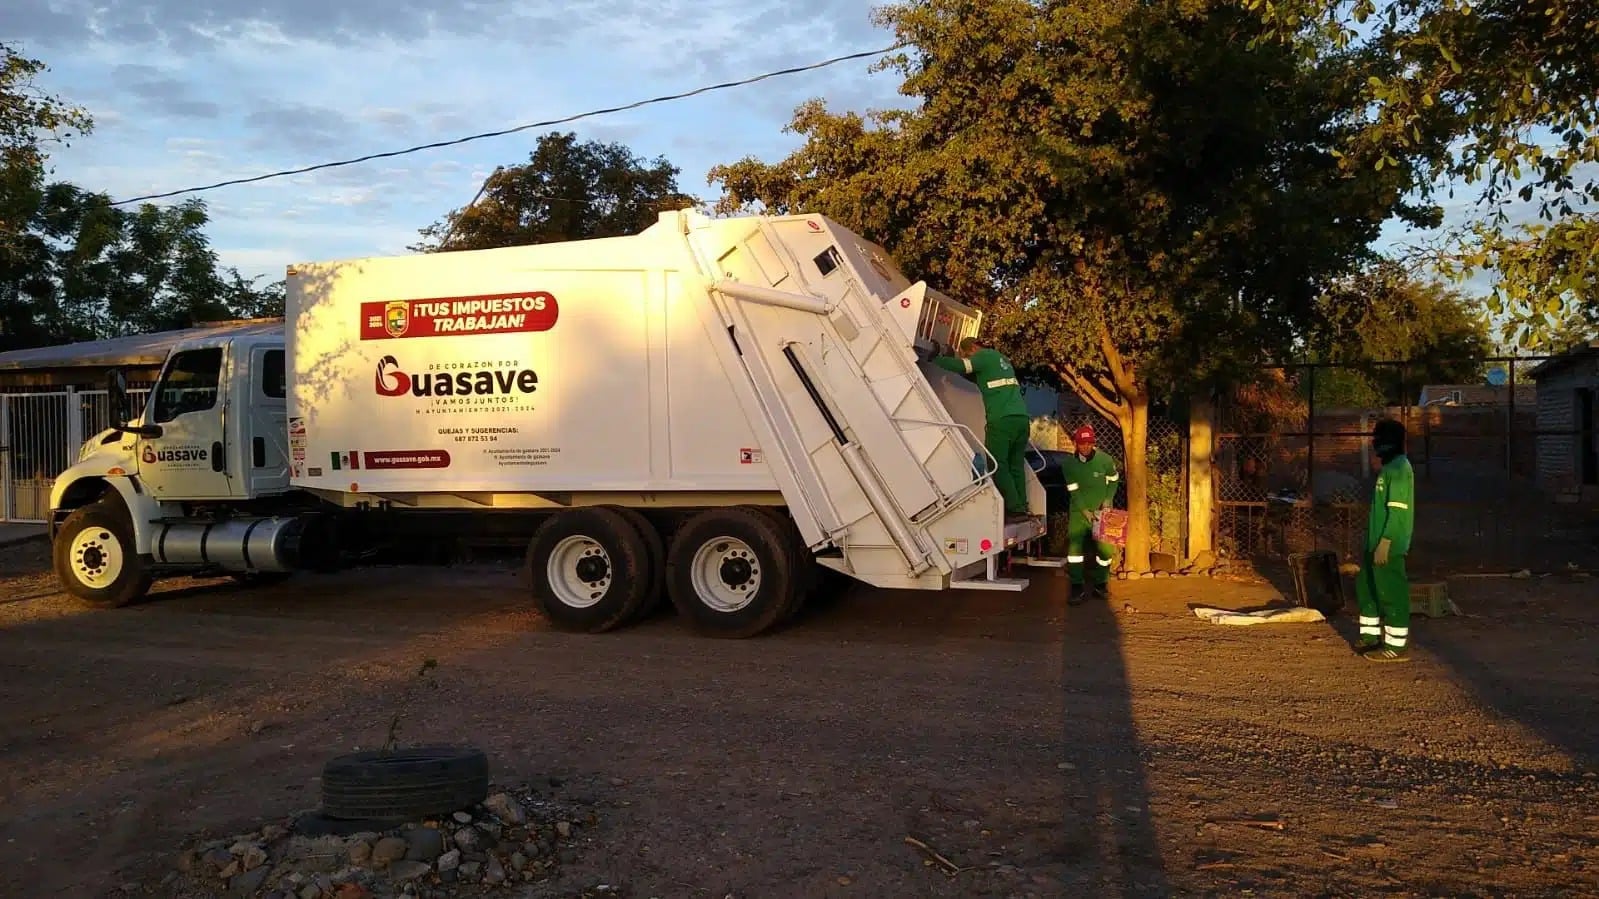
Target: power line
x=487 y=134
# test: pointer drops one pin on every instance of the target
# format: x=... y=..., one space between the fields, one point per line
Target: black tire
x=655 y=554
x=807 y=574
x=620 y=569
x=106 y=530
x=765 y=560
x=405 y=784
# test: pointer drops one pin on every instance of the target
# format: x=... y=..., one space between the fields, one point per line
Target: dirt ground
x=1121 y=748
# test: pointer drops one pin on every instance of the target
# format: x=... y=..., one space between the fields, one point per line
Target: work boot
x=1364 y=646
x=1384 y=654
x=1075 y=595
x=1101 y=591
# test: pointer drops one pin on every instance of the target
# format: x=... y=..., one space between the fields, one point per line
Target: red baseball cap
x=1084 y=434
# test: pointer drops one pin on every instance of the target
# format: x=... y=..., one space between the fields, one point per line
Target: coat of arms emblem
x=397 y=317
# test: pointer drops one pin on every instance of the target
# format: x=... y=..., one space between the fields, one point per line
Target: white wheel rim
x=726 y=574
x=580 y=572
x=97 y=557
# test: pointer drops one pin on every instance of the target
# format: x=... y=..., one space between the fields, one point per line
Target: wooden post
x=1201 y=484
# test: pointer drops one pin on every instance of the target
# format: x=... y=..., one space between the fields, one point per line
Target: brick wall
x=1558 y=461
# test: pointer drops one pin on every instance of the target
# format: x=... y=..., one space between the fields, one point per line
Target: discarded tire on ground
x=405 y=784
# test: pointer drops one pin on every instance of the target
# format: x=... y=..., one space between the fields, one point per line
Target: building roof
x=1577 y=353
x=1477 y=394
x=137 y=349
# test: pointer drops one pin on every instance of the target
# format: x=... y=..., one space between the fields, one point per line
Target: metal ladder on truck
x=872 y=463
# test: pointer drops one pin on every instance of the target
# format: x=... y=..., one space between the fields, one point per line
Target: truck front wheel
x=590 y=569
x=731 y=572
x=95 y=558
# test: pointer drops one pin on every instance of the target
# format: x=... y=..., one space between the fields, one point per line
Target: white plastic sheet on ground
x=1263 y=616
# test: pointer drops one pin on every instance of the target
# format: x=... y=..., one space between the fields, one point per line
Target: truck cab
x=212 y=436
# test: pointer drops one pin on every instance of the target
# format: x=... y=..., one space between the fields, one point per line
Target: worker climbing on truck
x=1091 y=481
x=1006 y=422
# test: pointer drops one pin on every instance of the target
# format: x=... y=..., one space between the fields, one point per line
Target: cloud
x=184 y=24
x=310 y=129
x=193 y=94
x=163 y=93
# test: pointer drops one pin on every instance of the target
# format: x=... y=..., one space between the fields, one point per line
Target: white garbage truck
x=721 y=411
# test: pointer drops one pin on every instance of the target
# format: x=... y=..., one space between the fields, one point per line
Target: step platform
x=1017 y=534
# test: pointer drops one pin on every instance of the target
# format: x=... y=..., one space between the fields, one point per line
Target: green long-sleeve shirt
x=1091 y=482
x=1393 y=507
x=995 y=379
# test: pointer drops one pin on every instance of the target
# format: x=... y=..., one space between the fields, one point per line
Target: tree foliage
x=1386 y=314
x=567 y=190
x=72 y=266
x=30 y=121
x=1508 y=90
x=1138 y=196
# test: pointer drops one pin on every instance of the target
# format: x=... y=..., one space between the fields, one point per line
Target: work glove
x=1379 y=556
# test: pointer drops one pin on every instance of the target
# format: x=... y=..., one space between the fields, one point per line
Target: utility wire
x=487 y=134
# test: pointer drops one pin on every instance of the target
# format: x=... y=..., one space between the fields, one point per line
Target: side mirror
x=116 y=389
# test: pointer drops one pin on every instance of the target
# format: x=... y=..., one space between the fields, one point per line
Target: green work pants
x=1006 y=439
x=1080 y=538
x=1383 y=592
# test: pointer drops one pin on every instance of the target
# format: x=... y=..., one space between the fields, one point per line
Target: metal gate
x=40 y=436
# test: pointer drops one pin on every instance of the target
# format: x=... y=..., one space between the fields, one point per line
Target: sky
x=182 y=97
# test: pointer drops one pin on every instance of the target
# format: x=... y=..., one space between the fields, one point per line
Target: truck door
x=267 y=423
x=189 y=460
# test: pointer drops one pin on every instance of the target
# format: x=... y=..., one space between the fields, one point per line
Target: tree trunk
x=1201 y=483
x=1117 y=394
x=1133 y=416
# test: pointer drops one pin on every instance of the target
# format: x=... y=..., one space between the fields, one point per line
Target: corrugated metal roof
x=138 y=349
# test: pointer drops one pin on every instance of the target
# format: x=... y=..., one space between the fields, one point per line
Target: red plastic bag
x=1110 y=526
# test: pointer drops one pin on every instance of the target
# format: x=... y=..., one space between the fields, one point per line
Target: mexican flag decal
x=350 y=460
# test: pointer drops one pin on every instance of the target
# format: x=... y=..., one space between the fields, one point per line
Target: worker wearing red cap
x=1091 y=481
x=1006 y=422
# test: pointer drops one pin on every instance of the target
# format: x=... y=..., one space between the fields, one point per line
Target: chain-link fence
x=1294 y=466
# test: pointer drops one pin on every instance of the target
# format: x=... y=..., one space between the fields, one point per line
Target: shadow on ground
x=1109 y=835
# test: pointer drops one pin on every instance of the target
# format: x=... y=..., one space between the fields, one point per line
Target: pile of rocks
x=513 y=837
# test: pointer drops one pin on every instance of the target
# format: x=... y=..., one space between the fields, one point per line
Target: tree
x=1514 y=87
x=74 y=267
x=29 y=121
x=565 y=191
x=1139 y=198
x=1385 y=314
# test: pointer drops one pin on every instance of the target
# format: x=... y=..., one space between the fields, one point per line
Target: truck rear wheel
x=655 y=556
x=806 y=571
x=590 y=569
x=94 y=555
x=731 y=572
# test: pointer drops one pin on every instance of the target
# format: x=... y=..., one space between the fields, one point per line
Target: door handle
x=217 y=462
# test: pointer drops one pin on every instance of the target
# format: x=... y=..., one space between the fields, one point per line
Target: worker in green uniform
x=1383 y=590
x=1091 y=480
x=1006 y=422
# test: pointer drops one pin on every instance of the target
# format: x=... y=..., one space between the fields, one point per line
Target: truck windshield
x=189 y=385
